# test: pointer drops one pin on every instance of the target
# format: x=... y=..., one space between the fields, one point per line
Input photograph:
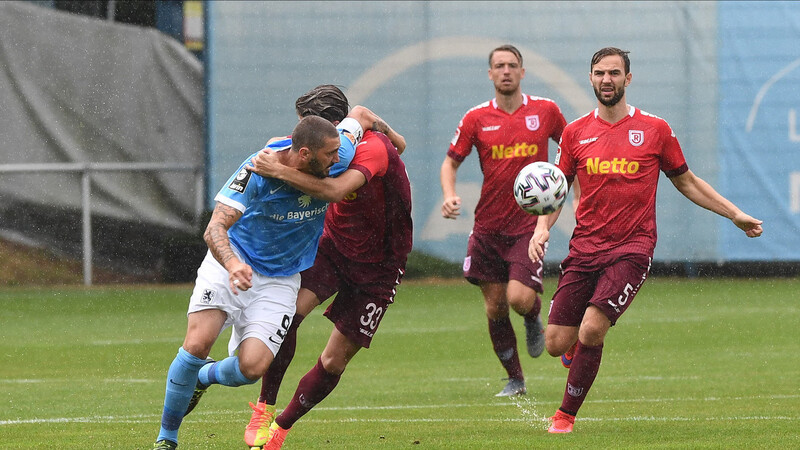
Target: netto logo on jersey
x=596 y=166
x=351 y=196
x=518 y=150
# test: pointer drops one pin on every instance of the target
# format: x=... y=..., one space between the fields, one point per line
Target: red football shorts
x=609 y=282
x=498 y=258
x=363 y=290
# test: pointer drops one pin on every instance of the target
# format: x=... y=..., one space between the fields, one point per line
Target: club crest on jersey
x=636 y=137
x=239 y=183
x=532 y=122
x=208 y=296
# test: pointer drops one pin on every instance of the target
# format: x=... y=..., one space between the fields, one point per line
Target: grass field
x=699 y=363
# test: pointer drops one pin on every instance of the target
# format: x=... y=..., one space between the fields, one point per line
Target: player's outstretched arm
x=240 y=275
x=371 y=121
x=701 y=193
x=541 y=235
x=451 y=207
x=267 y=164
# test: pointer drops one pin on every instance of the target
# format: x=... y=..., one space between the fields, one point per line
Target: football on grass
x=540 y=188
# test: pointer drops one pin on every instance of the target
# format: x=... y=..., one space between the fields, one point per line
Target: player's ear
x=628 y=78
x=305 y=153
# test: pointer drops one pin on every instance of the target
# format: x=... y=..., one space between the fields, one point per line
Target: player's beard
x=618 y=94
x=316 y=169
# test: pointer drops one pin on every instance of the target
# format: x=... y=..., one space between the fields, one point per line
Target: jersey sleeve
x=372 y=158
x=673 y=163
x=241 y=188
x=559 y=122
x=350 y=134
x=565 y=160
x=461 y=145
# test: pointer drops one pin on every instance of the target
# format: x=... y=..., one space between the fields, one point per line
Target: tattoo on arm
x=216 y=235
x=381 y=126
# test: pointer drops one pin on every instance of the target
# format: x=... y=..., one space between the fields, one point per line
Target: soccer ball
x=540 y=188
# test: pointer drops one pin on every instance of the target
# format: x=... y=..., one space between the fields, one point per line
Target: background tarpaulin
x=75 y=89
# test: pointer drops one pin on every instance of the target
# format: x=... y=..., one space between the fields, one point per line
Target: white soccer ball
x=540 y=188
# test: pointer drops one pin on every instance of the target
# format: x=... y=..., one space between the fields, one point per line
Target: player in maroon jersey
x=509 y=132
x=362 y=256
x=616 y=152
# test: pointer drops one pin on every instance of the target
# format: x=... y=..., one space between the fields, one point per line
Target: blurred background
x=122 y=119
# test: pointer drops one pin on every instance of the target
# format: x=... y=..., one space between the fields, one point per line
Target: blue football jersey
x=280 y=227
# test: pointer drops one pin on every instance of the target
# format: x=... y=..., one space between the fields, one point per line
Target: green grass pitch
x=694 y=363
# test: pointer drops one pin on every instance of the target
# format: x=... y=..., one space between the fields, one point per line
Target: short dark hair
x=312 y=132
x=506 y=48
x=610 y=51
x=326 y=101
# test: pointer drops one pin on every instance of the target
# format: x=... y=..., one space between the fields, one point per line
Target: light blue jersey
x=279 y=230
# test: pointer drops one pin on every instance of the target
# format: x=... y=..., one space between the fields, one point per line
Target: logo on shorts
x=467 y=263
x=208 y=296
x=574 y=391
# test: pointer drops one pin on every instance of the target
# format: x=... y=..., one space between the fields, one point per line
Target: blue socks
x=225 y=372
x=181 y=381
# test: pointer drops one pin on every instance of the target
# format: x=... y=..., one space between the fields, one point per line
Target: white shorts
x=264 y=311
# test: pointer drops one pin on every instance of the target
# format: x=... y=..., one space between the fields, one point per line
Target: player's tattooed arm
x=216 y=236
x=371 y=121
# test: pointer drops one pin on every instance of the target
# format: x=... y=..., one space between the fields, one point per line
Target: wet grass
x=694 y=363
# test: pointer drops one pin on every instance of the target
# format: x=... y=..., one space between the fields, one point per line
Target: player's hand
x=750 y=226
x=265 y=163
x=536 y=246
x=451 y=208
x=240 y=277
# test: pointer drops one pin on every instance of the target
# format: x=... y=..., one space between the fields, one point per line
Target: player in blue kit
x=262 y=233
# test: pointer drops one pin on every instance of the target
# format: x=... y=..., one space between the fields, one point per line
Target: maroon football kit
x=365 y=243
x=617 y=166
x=505 y=143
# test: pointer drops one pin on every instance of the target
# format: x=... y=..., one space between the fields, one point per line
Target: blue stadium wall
x=723 y=74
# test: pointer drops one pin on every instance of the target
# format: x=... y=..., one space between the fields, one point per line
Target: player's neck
x=615 y=113
x=509 y=103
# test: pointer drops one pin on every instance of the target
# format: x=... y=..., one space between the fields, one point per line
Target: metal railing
x=86 y=170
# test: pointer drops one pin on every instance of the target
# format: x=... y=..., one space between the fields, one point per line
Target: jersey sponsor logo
x=597 y=166
x=636 y=137
x=587 y=141
x=558 y=156
x=351 y=196
x=532 y=122
x=306 y=214
x=491 y=128
x=239 y=184
x=518 y=150
x=304 y=200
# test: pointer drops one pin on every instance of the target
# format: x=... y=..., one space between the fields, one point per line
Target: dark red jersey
x=373 y=224
x=617 y=166
x=506 y=143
